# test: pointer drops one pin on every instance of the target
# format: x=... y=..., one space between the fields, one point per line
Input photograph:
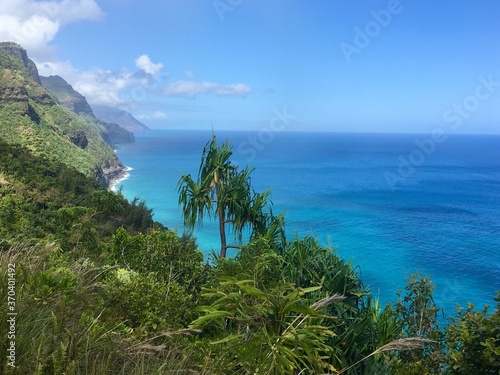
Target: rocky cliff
x=72 y=100
x=67 y=97
x=120 y=117
x=32 y=118
x=20 y=55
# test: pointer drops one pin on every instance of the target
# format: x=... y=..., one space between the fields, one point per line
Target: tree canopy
x=224 y=193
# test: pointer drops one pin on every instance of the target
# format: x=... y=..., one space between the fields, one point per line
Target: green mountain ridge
x=75 y=102
x=31 y=117
x=21 y=56
x=66 y=95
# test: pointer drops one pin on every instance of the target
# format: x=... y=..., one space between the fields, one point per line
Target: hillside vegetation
x=73 y=101
x=31 y=117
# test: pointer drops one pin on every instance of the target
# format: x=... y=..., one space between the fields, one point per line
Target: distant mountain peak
x=120 y=117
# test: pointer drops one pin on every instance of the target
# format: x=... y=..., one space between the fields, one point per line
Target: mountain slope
x=20 y=58
x=66 y=95
x=120 y=117
x=31 y=118
x=72 y=100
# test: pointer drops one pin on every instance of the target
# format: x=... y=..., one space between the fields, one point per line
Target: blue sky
x=333 y=65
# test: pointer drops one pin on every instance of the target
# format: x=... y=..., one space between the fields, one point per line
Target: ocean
x=393 y=204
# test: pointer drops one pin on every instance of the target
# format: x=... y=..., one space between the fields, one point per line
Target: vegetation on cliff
x=73 y=101
x=31 y=117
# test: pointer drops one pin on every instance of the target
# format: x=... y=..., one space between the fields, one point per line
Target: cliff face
x=109 y=172
x=116 y=135
x=67 y=97
x=18 y=53
x=20 y=80
x=32 y=118
x=14 y=93
x=72 y=100
x=120 y=117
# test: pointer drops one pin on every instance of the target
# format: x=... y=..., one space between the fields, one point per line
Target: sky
x=327 y=65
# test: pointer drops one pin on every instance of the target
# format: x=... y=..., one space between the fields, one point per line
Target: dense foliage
x=42 y=200
x=103 y=289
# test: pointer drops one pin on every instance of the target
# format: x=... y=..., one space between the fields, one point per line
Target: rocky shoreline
x=108 y=174
x=115 y=181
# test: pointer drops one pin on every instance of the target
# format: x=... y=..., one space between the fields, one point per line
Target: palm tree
x=222 y=192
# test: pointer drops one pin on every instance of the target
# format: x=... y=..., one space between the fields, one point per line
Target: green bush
x=162 y=252
x=473 y=341
x=147 y=302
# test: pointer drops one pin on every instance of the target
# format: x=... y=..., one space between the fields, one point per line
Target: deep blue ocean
x=393 y=204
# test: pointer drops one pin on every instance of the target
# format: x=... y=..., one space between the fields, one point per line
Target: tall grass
x=63 y=325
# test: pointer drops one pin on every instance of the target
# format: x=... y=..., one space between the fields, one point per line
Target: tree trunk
x=222 y=230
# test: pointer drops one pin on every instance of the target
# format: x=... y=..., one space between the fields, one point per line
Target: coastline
x=113 y=183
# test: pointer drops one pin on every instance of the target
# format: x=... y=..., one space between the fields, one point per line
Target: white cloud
x=33 y=33
x=158 y=115
x=128 y=89
x=64 y=11
x=68 y=11
x=60 y=68
x=104 y=86
x=34 y=24
x=97 y=85
x=192 y=89
x=144 y=63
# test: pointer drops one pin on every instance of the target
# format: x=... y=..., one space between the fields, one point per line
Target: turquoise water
x=391 y=206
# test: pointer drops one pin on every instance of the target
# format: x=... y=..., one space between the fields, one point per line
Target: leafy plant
x=222 y=192
x=264 y=331
x=473 y=341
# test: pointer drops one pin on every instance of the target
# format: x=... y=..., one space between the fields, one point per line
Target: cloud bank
x=191 y=89
x=127 y=88
x=34 y=24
